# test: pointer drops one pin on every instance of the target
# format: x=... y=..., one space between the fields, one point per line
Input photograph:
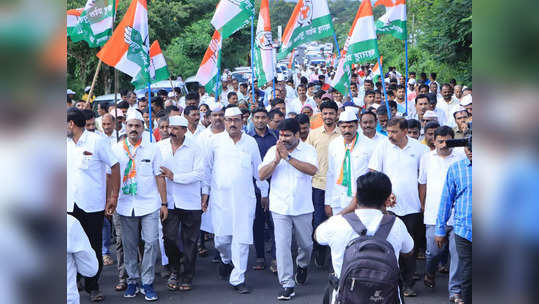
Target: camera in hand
x=462 y=142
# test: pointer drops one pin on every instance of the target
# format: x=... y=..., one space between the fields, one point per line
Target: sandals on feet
x=186 y=287
x=429 y=281
x=259 y=264
x=121 y=286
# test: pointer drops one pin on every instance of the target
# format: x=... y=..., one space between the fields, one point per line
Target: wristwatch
x=164 y=204
x=289 y=157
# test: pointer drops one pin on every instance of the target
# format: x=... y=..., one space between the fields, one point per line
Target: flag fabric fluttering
x=394 y=20
x=158 y=67
x=291 y=59
x=310 y=21
x=127 y=49
x=232 y=15
x=360 y=46
x=263 y=58
x=208 y=71
x=375 y=75
x=92 y=24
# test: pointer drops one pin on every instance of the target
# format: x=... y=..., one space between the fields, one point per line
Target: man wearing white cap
x=466 y=102
x=231 y=164
x=347 y=160
x=142 y=201
x=291 y=165
x=183 y=169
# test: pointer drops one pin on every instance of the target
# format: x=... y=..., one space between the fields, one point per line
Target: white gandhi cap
x=177 y=121
x=134 y=114
x=348 y=115
x=232 y=111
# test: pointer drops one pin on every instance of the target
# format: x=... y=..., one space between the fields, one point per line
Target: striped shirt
x=457 y=194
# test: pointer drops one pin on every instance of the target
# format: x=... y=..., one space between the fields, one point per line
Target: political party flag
x=207 y=74
x=394 y=20
x=127 y=49
x=291 y=59
x=310 y=21
x=232 y=15
x=158 y=67
x=376 y=71
x=263 y=59
x=361 y=44
x=92 y=24
x=341 y=81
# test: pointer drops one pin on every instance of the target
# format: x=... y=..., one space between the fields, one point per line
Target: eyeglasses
x=234 y=120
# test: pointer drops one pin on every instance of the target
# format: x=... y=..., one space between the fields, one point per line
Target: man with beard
x=142 y=201
x=183 y=169
x=304 y=126
x=398 y=157
x=370 y=138
x=89 y=116
x=265 y=139
x=88 y=156
x=231 y=164
x=107 y=123
x=275 y=117
x=192 y=114
x=461 y=119
x=291 y=165
x=430 y=128
x=162 y=124
x=296 y=104
x=432 y=173
x=320 y=139
x=414 y=128
x=448 y=103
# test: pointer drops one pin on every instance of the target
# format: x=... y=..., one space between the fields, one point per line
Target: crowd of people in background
x=266 y=164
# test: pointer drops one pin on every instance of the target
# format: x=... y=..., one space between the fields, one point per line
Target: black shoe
x=241 y=288
x=222 y=271
x=320 y=257
x=301 y=275
x=216 y=258
x=286 y=294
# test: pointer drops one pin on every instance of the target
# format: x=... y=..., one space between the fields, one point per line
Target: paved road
x=265 y=288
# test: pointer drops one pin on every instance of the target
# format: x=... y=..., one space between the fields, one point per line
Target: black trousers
x=92 y=223
x=407 y=263
x=190 y=232
x=464 y=251
x=261 y=218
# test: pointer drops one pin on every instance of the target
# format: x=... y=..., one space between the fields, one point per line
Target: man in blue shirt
x=457 y=194
x=265 y=138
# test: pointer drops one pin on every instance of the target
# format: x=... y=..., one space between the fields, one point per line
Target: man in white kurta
x=232 y=163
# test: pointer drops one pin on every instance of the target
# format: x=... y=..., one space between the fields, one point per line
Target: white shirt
x=148 y=161
x=80 y=258
x=111 y=138
x=87 y=161
x=402 y=168
x=187 y=166
x=448 y=109
x=337 y=233
x=198 y=130
x=295 y=105
x=291 y=190
x=432 y=172
x=336 y=195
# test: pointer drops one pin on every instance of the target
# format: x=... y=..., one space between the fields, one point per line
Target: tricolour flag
x=394 y=20
x=341 y=81
x=263 y=57
x=93 y=23
x=361 y=44
x=127 y=49
x=310 y=21
x=232 y=15
x=207 y=74
x=291 y=59
x=158 y=67
x=376 y=71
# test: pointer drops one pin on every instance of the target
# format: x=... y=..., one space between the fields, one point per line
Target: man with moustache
x=89 y=116
x=304 y=126
x=369 y=136
x=231 y=164
x=88 y=157
x=432 y=174
x=399 y=157
x=192 y=114
x=422 y=105
x=291 y=165
x=183 y=169
x=142 y=201
x=320 y=138
x=265 y=138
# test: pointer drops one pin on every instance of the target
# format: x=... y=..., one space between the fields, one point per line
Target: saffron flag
x=207 y=74
x=92 y=24
x=376 y=71
x=128 y=48
x=158 y=67
x=232 y=15
x=310 y=21
x=263 y=53
x=394 y=20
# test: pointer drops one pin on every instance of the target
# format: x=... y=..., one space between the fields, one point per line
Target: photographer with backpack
x=365 y=247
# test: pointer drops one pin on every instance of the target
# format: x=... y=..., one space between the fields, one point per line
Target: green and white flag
x=208 y=72
x=263 y=58
x=93 y=23
x=394 y=20
x=341 y=81
x=232 y=15
x=158 y=68
x=310 y=21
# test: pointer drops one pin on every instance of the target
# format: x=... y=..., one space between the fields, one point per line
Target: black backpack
x=370 y=271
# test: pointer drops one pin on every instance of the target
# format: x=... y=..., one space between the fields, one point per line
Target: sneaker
x=286 y=294
x=241 y=288
x=131 y=291
x=301 y=275
x=149 y=293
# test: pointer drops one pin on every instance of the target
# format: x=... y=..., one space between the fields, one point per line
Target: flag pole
x=172 y=86
x=252 y=56
x=150 y=108
x=406 y=76
x=94 y=81
x=216 y=93
x=384 y=87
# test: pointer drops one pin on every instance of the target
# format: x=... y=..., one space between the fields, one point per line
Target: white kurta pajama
x=231 y=168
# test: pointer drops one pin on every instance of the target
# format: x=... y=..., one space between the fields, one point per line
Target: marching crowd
x=292 y=162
